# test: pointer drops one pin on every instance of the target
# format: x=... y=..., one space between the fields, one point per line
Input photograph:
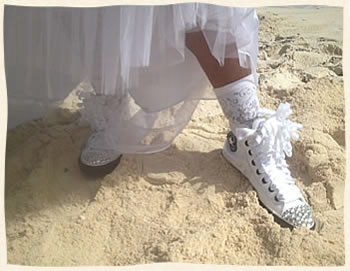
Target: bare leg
x=218 y=75
x=233 y=84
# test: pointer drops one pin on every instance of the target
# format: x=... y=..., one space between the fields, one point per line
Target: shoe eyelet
x=257 y=172
x=276 y=199
x=246 y=143
x=270 y=190
x=253 y=163
x=250 y=152
x=263 y=181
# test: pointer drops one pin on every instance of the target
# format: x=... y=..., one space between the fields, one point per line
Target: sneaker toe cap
x=299 y=216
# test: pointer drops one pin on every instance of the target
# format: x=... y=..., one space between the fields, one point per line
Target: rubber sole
x=280 y=221
x=99 y=171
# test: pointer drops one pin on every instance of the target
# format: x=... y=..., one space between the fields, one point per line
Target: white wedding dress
x=147 y=83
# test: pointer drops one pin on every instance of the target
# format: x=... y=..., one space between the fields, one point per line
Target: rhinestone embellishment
x=299 y=216
x=93 y=157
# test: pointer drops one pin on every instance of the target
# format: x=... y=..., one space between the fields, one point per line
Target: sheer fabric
x=146 y=83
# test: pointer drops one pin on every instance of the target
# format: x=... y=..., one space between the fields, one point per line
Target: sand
x=187 y=204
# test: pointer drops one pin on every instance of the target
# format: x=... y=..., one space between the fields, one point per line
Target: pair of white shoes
x=258 y=152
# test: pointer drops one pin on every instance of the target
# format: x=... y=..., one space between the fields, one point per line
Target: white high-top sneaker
x=259 y=153
x=98 y=160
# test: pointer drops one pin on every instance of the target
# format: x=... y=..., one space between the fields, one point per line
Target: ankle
x=239 y=102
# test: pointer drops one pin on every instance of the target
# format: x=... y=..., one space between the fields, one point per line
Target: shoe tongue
x=257 y=122
x=248 y=128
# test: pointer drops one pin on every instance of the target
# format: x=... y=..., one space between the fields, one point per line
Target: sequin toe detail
x=94 y=157
x=299 y=216
x=96 y=153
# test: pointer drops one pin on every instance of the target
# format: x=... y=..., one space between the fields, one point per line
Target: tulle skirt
x=146 y=83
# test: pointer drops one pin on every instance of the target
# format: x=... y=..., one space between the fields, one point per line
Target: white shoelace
x=269 y=140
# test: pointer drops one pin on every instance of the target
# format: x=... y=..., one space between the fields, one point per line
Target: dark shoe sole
x=99 y=171
x=280 y=221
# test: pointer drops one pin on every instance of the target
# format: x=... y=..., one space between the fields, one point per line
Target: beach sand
x=187 y=204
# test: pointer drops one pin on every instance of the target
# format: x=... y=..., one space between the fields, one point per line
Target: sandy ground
x=187 y=204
